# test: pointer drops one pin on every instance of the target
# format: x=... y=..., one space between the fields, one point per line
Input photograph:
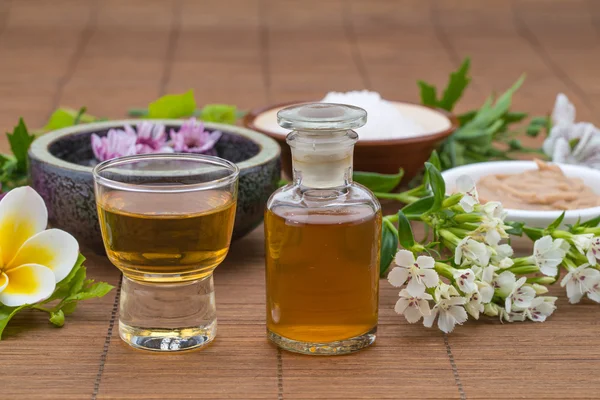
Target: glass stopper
x=321 y=116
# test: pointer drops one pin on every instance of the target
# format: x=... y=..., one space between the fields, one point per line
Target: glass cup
x=166 y=222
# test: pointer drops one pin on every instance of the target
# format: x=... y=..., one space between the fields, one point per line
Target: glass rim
x=179 y=188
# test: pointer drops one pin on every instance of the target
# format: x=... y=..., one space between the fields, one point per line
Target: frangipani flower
x=32 y=259
x=413 y=307
x=469 y=251
x=116 y=143
x=548 y=254
x=580 y=281
x=192 y=138
x=465 y=185
x=419 y=273
x=150 y=138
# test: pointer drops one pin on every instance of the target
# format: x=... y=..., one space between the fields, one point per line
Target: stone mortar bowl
x=61 y=165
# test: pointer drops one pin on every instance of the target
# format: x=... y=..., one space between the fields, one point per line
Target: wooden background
x=115 y=54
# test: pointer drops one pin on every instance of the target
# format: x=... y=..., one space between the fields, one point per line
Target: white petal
x=27 y=284
x=428 y=319
x=429 y=277
x=467 y=203
x=486 y=292
x=505 y=282
x=446 y=322
x=564 y=110
x=464 y=183
x=492 y=237
x=415 y=288
x=591 y=257
x=404 y=258
x=424 y=305
x=412 y=314
x=398 y=276
x=548 y=269
x=401 y=305
x=22 y=215
x=574 y=292
x=543 y=244
x=425 y=262
x=488 y=274
x=53 y=248
x=459 y=314
x=504 y=250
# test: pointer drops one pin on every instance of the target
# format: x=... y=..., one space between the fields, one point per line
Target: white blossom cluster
x=484 y=277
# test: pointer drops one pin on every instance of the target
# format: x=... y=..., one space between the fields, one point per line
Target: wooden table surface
x=115 y=54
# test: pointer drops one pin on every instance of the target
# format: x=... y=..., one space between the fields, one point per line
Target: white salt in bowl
x=536 y=219
x=385 y=156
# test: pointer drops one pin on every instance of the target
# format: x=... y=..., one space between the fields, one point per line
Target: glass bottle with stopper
x=322 y=238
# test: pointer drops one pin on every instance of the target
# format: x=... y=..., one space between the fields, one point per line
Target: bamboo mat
x=115 y=54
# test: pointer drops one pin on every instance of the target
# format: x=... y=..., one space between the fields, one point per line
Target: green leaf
x=57 y=318
x=512 y=117
x=456 y=86
x=554 y=225
x=418 y=208
x=438 y=186
x=466 y=117
x=592 y=223
x=516 y=228
x=65 y=117
x=173 y=106
x=434 y=159
x=6 y=313
x=382 y=183
x=20 y=140
x=405 y=233
x=69 y=308
x=428 y=94
x=389 y=247
x=90 y=290
x=221 y=113
x=533 y=233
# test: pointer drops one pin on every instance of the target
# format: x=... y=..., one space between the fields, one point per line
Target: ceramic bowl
x=61 y=171
x=383 y=156
x=536 y=219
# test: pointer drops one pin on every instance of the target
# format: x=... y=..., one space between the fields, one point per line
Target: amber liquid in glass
x=322 y=272
x=185 y=241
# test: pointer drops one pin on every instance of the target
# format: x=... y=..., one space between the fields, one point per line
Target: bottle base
x=168 y=340
x=339 y=347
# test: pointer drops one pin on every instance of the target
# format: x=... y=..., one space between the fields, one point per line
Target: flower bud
x=539 y=289
x=491 y=310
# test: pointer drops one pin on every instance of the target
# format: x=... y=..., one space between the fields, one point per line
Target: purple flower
x=151 y=138
x=192 y=138
x=117 y=143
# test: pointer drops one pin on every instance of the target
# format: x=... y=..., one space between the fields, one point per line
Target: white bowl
x=536 y=219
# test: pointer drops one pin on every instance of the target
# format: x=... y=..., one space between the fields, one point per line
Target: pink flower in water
x=192 y=138
x=117 y=143
x=151 y=138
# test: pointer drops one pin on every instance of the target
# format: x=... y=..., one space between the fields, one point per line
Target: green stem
x=401 y=197
x=48 y=310
x=391 y=218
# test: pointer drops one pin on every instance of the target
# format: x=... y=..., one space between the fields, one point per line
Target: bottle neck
x=325 y=164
